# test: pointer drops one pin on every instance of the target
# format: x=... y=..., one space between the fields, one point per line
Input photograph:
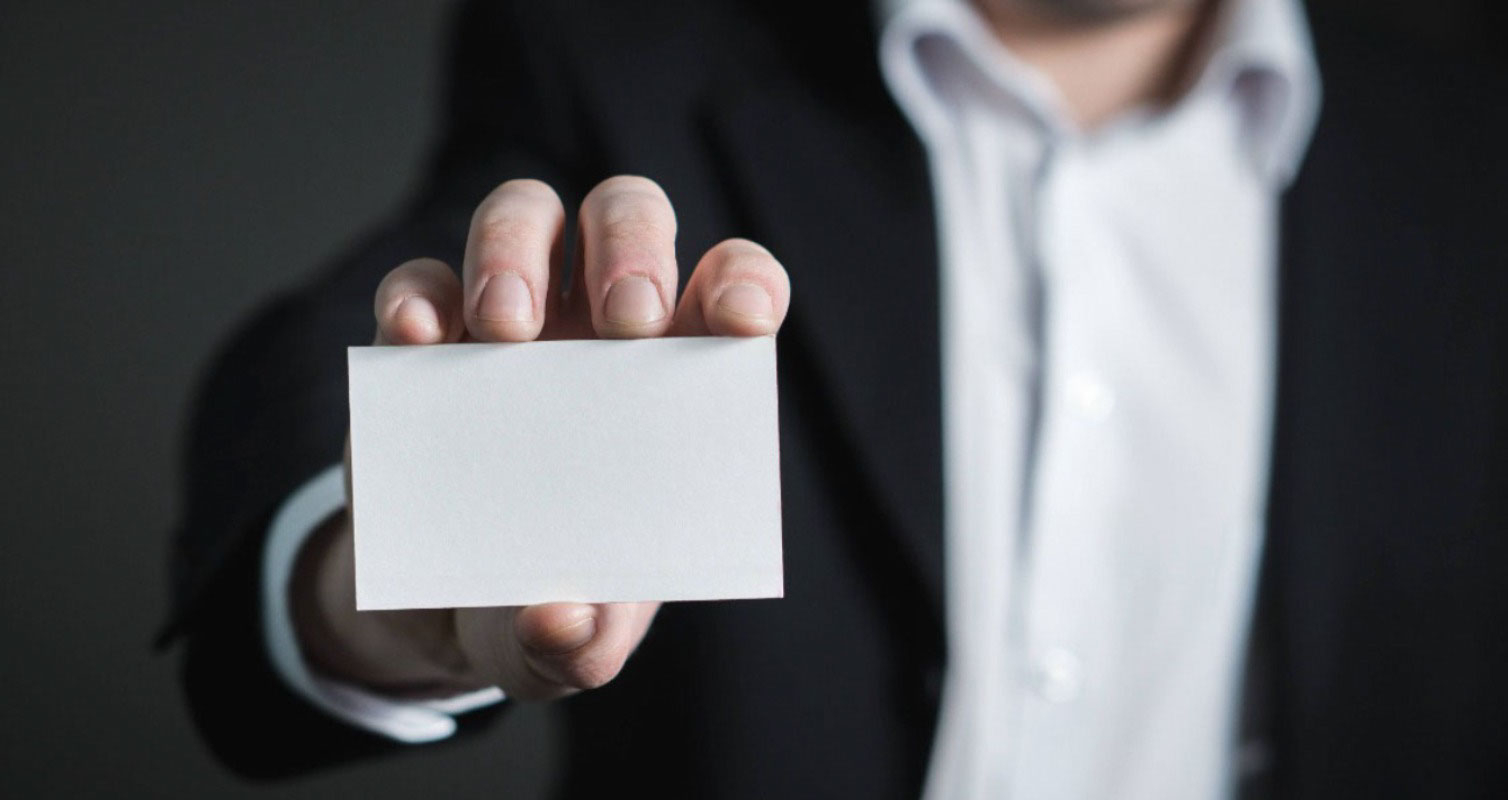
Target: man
x=1110 y=348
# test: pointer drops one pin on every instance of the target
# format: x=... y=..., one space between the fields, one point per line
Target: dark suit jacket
x=1383 y=668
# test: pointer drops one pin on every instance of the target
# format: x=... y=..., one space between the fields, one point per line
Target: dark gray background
x=164 y=166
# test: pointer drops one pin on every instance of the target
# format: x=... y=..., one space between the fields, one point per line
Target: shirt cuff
x=410 y=721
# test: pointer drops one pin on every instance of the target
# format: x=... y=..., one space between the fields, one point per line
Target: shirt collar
x=1266 y=56
x=1261 y=53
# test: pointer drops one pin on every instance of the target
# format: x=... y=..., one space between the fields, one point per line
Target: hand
x=624 y=287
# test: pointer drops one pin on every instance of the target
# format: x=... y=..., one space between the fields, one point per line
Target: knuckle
x=745 y=262
x=735 y=257
x=631 y=231
x=532 y=188
x=740 y=246
x=402 y=273
x=632 y=242
x=517 y=197
x=622 y=217
x=633 y=203
x=505 y=233
x=630 y=186
x=750 y=264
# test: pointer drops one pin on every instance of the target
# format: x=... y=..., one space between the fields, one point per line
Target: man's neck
x=1106 y=66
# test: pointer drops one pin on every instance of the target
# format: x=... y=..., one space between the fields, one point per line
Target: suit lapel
x=843 y=199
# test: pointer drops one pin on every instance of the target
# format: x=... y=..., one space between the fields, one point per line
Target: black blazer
x=1383 y=619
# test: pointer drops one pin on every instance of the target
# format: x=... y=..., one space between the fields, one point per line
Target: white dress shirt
x=1107 y=347
x=1107 y=338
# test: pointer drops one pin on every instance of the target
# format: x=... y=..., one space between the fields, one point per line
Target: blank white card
x=588 y=471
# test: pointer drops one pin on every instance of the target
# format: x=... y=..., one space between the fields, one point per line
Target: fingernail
x=633 y=301
x=746 y=300
x=578 y=629
x=416 y=311
x=506 y=298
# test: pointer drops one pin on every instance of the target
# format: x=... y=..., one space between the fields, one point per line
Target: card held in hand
x=585 y=471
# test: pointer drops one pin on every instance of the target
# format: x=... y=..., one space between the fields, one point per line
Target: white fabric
x=412 y=721
x=1107 y=344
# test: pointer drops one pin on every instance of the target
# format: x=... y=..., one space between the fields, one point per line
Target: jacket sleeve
x=272 y=410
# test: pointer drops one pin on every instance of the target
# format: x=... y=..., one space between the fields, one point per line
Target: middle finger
x=513 y=258
x=628 y=243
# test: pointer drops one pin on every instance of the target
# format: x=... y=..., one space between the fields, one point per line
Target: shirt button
x=1058 y=675
x=1090 y=396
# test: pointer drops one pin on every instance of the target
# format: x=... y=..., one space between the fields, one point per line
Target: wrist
x=323 y=575
x=402 y=653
